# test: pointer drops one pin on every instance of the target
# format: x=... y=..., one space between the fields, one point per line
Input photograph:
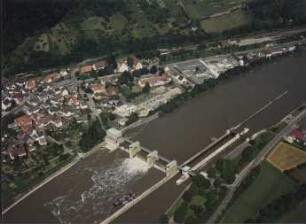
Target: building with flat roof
x=113 y=138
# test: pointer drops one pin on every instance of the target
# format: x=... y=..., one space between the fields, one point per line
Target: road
x=255 y=162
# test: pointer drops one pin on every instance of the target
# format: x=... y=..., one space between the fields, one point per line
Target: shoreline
x=49 y=178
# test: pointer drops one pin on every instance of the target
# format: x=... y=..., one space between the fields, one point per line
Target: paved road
x=255 y=162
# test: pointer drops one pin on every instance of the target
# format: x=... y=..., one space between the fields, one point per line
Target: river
x=188 y=129
x=85 y=192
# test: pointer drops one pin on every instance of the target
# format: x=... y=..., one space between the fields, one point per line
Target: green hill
x=54 y=32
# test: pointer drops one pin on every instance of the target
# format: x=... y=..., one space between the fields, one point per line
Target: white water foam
x=97 y=201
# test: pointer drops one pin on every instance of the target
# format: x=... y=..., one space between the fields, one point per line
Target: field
x=285 y=156
x=229 y=21
x=200 y=8
x=93 y=26
x=269 y=185
x=295 y=216
x=42 y=43
x=59 y=40
x=299 y=173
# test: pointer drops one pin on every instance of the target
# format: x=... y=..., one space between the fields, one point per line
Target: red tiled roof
x=97 y=87
x=100 y=64
x=31 y=83
x=85 y=69
x=298 y=134
x=51 y=76
x=154 y=79
x=24 y=121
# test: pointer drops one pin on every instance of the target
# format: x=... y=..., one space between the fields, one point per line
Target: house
x=65 y=92
x=99 y=96
x=82 y=119
x=57 y=99
x=97 y=88
x=30 y=84
x=43 y=96
x=5 y=104
x=18 y=150
x=51 y=77
x=30 y=110
x=63 y=73
x=98 y=65
x=17 y=97
x=74 y=100
x=36 y=135
x=296 y=135
x=122 y=65
x=83 y=105
x=66 y=112
x=25 y=122
x=125 y=110
x=57 y=122
x=53 y=110
x=31 y=148
x=85 y=69
x=34 y=101
x=154 y=81
x=135 y=63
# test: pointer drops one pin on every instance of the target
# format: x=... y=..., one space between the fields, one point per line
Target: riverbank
x=49 y=178
x=45 y=181
x=212 y=83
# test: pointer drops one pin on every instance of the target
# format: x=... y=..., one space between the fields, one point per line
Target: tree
x=211 y=172
x=201 y=182
x=125 y=78
x=132 y=118
x=137 y=73
x=146 y=88
x=180 y=213
x=153 y=69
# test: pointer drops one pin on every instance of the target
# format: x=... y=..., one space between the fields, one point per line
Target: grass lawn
x=269 y=185
x=296 y=216
x=93 y=26
x=199 y=8
x=226 y=22
x=197 y=200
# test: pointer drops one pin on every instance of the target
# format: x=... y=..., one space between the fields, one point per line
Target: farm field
x=299 y=173
x=269 y=185
x=200 y=8
x=285 y=156
x=296 y=216
x=225 y=22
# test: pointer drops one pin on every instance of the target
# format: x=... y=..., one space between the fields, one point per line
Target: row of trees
x=274 y=210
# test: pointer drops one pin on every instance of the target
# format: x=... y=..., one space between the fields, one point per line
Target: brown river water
x=84 y=193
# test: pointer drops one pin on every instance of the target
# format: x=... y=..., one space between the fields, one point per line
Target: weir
x=115 y=140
